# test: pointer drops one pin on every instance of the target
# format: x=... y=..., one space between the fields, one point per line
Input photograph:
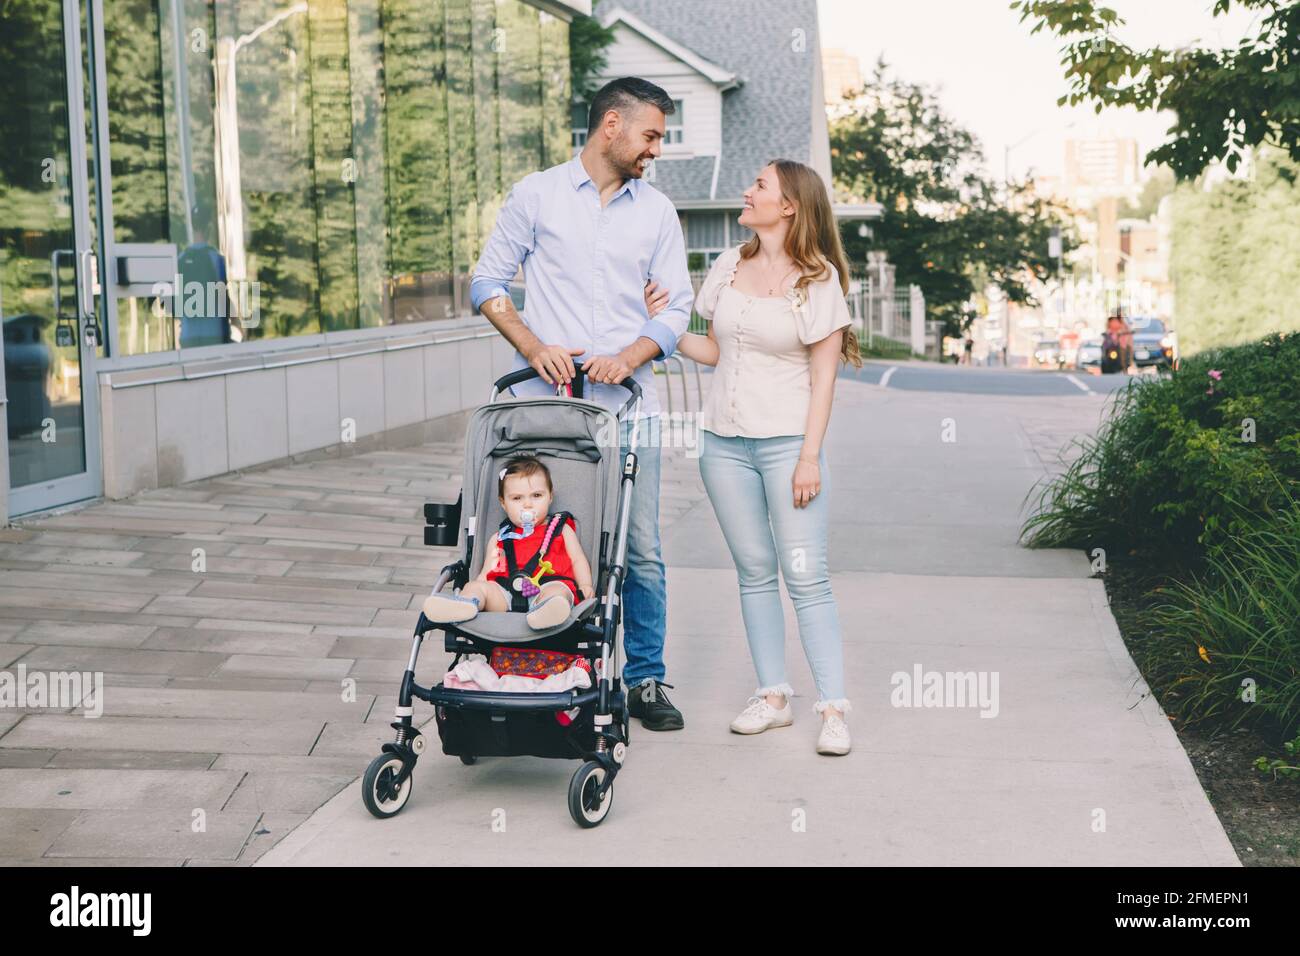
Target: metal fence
x=883 y=322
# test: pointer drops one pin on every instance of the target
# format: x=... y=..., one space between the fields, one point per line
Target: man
x=590 y=235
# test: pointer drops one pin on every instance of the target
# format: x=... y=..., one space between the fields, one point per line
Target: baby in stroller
x=535 y=563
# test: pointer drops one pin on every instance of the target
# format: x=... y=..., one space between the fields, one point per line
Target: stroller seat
x=511 y=627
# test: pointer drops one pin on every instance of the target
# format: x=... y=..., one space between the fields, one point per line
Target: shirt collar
x=578 y=176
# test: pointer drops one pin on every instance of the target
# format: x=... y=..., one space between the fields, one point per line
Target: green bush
x=1225 y=646
x=1173 y=474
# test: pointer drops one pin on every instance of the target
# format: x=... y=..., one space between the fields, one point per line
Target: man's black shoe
x=649 y=702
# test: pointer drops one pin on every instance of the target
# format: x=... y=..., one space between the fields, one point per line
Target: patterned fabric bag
x=530 y=662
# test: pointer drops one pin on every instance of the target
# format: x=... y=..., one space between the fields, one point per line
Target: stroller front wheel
x=381 y=795
x=586 y=808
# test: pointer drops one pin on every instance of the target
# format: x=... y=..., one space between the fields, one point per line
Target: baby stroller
x=578 y=441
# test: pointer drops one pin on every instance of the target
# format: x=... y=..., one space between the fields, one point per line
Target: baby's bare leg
x=491 y=596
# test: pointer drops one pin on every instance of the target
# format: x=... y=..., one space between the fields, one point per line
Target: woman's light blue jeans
x=749 y=481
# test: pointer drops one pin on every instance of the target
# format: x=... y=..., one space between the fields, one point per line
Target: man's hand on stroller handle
x=610 y=369
x=554 y=363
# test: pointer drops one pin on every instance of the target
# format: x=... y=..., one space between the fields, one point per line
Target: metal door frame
x=43 y=495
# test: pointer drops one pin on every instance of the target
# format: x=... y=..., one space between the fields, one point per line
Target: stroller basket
x=594 y=482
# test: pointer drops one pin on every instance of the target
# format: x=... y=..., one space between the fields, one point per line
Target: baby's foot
x=544 y=612
x=450 y=608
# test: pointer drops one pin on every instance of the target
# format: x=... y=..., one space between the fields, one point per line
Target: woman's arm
x=581 y=567
x=701 y=348
x=824 y=361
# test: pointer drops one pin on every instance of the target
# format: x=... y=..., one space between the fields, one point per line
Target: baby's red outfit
x=525 y=548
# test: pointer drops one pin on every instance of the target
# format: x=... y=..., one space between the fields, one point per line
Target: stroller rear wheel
x=585 y=807
x=379 y=791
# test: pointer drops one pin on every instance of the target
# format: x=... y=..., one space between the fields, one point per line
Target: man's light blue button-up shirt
x=585 y=270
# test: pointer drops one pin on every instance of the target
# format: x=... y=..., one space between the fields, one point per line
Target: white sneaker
x=834 y=738
x=759 y=716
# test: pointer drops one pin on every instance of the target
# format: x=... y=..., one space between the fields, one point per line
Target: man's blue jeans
x=749 y=481
x=645 y=598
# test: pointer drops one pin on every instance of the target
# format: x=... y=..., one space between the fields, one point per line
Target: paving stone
x=87 y=635
x=387 y=649
x=129 y=760
x=271 y=685
x=287 y=735
x=122 y=660
x=81 y=862
x=115 y=789
x=297 y=792
x=261 y=665
x=27 y=834
x=335 y=595
x=224 y=624
x=217 y=641
x=154 y=833
x=217 y=704
x=361 y=740
x=10 y=653
x=292 y=763
x=271 y=829
x=73 y=599
x=24 y=758
x=229 y=608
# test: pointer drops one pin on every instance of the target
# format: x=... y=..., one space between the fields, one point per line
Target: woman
x=779 y=327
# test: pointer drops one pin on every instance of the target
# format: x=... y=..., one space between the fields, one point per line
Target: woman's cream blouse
x=762 y=385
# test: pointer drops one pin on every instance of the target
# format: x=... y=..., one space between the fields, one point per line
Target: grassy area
x=1260 y=811
x=1190 y=492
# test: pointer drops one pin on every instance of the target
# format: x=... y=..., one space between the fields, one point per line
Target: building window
x=343 y=159
x=673 y=125
x=578 y=122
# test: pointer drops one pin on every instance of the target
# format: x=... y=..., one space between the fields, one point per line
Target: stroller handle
x=524 y=374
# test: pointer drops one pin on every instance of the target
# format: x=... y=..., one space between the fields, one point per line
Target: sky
x=1000 y=82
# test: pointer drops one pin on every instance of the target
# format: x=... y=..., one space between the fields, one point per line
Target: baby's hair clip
x=501 y=476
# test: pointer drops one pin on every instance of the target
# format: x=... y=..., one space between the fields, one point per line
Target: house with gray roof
x=746 y=78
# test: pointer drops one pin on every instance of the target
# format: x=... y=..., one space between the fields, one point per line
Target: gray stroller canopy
x=576 y=439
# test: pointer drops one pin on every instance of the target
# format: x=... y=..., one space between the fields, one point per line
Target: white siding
x=632 y=55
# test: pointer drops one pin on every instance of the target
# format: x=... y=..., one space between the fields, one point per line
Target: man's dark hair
x=621 y=94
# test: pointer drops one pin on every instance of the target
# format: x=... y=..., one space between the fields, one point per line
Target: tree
x=947 y=227
x=1233 y=256
x=1228 y=101
x=588 y=41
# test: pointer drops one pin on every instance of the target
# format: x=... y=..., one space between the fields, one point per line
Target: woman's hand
x=807 y=481
x=656 y=298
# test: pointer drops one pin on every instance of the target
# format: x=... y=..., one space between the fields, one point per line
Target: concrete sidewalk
x=223 y=687
x=1079 y=765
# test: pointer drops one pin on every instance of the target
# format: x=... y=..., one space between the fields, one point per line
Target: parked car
x=1153 y=343
x=1047 y=354
x=1089 y=354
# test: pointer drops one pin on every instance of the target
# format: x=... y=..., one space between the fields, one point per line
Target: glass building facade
x=211 y=174
x=346 y=156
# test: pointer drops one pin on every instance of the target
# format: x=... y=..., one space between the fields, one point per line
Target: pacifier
x=528 y=519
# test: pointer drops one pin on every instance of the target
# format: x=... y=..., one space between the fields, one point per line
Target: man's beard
x=627 y=168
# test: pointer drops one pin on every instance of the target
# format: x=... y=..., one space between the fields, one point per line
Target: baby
x=562 y=575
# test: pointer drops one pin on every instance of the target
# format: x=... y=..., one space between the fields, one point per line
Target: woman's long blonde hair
x=812 y=241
